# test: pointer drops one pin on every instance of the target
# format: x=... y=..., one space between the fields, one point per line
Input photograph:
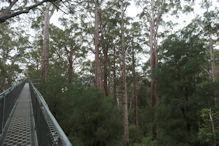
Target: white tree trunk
x=212 y=127
x=45 y=52
x=97 y=44
x=153 y=62
x=124 y=86
x=212 y=58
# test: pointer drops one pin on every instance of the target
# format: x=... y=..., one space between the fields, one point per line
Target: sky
x=133 y=10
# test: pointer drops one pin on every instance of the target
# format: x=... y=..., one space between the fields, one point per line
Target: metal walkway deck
x=25 y=119
x=20 y=127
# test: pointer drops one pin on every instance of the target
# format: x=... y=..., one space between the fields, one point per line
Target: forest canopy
x=113 y=79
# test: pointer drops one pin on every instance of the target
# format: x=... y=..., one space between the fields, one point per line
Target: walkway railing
x=48 y=130
x=7 y=101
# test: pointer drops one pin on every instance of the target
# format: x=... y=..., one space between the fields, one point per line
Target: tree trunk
x=5 y=56
x=213 y=128
x=105 y=84
x=124 y=86
x=97 y=44
x=70 y=67
x=130 y=102
x=45 y=53
x=153 y=63
x=212 y=59
x=211 y=49
x=114 y=76
x=134 y=84
x=2 y=78
x=10 y=74
x=2 y=82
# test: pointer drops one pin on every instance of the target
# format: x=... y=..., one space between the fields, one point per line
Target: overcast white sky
x=132 y=11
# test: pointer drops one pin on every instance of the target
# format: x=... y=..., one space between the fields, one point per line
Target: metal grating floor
x=19 y=130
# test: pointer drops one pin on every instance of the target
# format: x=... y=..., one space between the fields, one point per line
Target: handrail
x=4 y=93
x=7 y=102
x=64 y=140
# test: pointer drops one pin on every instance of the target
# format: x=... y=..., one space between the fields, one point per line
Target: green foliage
x=85 y=114
x=147 y=141
x=135 y=134
x=217 y=63
x=12 y=47
x=181 y=85
x=205 y=134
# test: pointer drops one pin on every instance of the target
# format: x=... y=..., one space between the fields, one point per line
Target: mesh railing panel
x=48 y=131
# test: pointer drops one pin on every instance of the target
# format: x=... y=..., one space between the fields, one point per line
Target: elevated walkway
x=25 y=119
x=20 y=130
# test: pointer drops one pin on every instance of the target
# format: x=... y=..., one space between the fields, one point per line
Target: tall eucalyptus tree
x=45 y=53
x=152 y=13
x=124 y=5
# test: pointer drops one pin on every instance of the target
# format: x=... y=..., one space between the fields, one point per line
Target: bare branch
x=12 y=3
x=160 y=12
x=58 y=8
x=52 y=12
x=9 y=14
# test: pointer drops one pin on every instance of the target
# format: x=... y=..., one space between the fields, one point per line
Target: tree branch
x=12 y=3
x=7 y=14
x=52 y=12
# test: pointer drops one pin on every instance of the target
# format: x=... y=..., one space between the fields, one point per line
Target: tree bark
x=70 y=67
x=134 y=84
x=3 y=71
x=105 y=78
x=10 y=73
x=153 y=63
x=213 y=128
x=45 y=53
x=114 y=76
x=124 y=86
x=97 y=44
x=130 y=102
x=212 y=58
